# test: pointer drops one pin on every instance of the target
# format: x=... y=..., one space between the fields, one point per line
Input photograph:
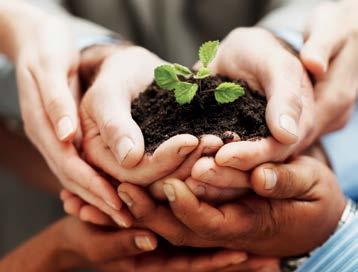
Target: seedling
x=166 y=77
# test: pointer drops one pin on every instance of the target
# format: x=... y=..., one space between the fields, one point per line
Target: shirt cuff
x=339 y=253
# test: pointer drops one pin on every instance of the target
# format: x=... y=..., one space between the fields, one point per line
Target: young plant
x=166 y=77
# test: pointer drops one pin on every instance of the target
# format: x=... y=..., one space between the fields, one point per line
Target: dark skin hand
x=293 y=217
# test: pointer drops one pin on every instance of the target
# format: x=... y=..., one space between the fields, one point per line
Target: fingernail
x=270 y=179
x=122 y=223
x=199 y=190
x=208 y=175
x=169 y=192
x=144 y=243
x=124 y=147
x=239 y=259
x=185 y=150
x=289 y=124
x=126 y=198
x=64 y=127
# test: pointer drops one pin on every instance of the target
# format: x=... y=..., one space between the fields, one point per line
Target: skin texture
x=70 y=244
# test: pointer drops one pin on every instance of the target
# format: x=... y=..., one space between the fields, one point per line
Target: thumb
x=111 y=113
x=59 y=102
x=283 y=181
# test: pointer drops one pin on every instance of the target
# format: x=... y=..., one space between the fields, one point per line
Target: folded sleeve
x=339 y=253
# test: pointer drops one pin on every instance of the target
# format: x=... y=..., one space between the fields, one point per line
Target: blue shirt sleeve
x=338 y=254
x=342 y=150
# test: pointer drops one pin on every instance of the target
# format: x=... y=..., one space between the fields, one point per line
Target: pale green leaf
x=202 y=73
x=182 y=70
x=185 y=92
x=228 y=92
x=208 y=51
x=166 y=77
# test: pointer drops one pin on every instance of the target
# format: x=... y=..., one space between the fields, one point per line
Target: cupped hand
x=330 y=53
x=256 y=56
x=75 y=206
x=112 y=139
x=46 y=66
x=296 y=208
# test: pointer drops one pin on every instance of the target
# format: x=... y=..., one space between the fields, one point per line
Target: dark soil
x=160 y=117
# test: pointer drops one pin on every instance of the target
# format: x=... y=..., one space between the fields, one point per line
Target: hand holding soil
x=171 y=130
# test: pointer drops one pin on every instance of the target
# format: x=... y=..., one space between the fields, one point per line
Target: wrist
x=15 y=26
x=66 y=254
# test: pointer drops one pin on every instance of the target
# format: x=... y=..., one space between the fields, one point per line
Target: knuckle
x=265 y=221
x=294 y=103
x=286 y=181
x=54 y=104
x=179 y=239
x=144 y=215
x=109 y=129
x=213 y=228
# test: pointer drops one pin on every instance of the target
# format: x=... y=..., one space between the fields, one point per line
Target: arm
x=41 y=253
x=71 y=244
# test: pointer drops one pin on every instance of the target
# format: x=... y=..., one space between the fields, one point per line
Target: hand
x=88 y=246
x=73 y=205
x=330 y=53
x=77 y=207
x=297 y=207
x=46 y=62
x=112 y=139
x=290 y=111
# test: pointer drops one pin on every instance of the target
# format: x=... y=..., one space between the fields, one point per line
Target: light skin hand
x=107 y=122
x=286 y=193
x=289 y=113
x=46 y=69
x=73 y=205
x=330 y=54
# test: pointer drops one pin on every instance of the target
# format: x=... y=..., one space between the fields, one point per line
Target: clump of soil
x=160 y=117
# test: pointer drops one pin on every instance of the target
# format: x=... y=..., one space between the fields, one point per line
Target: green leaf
x=228 y=92
x=166 y=77
x=182 y=70
x=208 y=51
x=185 y=92
x=202 y=73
